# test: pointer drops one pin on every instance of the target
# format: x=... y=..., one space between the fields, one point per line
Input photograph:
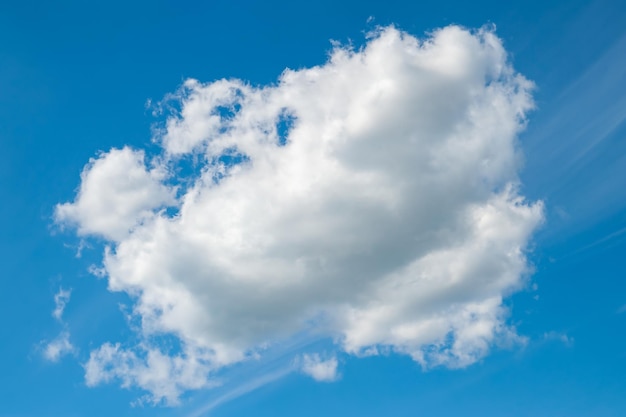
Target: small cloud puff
x=59 y=347
x=559 y=336
x=164 y=376
x=319 y=369
x=116 y=193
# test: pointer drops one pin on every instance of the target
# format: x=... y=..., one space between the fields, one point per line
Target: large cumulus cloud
x=373 y=199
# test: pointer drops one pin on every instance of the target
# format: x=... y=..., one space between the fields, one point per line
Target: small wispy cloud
x=568 y=341
x=60 y=301
x=60 y=346
x=319 y=369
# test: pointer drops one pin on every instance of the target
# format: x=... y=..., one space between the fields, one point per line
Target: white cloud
x=373 y=199
x=60 y=301
x=164 y=376
x=59 y=347
x=319 y=369
x=116 y=193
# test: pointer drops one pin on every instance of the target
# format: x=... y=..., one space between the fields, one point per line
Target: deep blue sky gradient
x=75 y=77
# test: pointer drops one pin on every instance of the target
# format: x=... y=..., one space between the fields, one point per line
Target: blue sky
x=75 y=80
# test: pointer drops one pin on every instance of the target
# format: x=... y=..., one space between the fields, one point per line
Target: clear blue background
x=75 y=77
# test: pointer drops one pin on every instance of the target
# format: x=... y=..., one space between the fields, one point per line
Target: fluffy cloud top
x=116 y=193
x=372 y=198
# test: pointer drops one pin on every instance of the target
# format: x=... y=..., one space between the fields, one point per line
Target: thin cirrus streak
x=276 y=363
x=241 y=390
x=576 y=159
